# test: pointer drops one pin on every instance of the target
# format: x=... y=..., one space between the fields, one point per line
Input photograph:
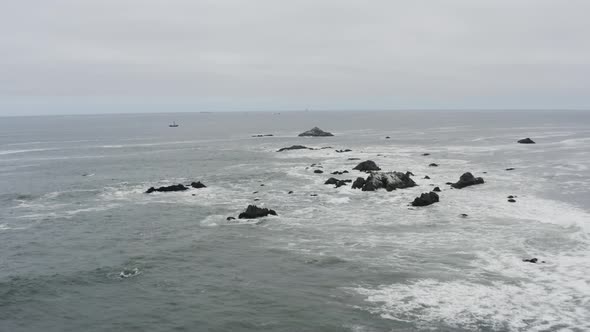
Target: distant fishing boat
x=173 y=125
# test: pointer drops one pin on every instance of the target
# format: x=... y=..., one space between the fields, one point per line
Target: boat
x=173 y=125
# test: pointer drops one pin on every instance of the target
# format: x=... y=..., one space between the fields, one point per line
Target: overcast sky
x=89 y=56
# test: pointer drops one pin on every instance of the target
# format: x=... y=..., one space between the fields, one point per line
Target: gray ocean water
x=73 y=215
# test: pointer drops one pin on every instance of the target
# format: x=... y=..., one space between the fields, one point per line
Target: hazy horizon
x=71 y=57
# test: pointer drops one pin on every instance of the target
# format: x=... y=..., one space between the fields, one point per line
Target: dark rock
x=230 y=218
x=512 y=200
x=437 y=189
x=325 y=147
x=313 y=195
x=198 y=185
x=337 y=183
x=358 y=183
x=449 y=183
x=295 y=147
x=464 y=215
x=354 y=158
x=341 y=151
x=526 y=141
x=433 y=165
x=426 y=154
x=367 y=166
x=256 y=199
x=339 y=172
x=318 y=171
x=290 y=192
x=510 y=169
x=253 y=212
x=263 y=135
x=408 y=173
x=262 y=185
x=426 y=177
x=177 y=187
x=386 y=180
x=531 y=260
x=387 y=137
x=467 y=179
x=425 y=199
x=485 y=172
x=316 y=132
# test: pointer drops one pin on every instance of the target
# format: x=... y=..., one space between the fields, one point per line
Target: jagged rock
x=386 y=180
x=198 y=185
x=437 y=189
x=358 y=183
x=176 y=187
x=426 y=177
x=425 y=199
x=337 y=183
x=316 y=132
x=367 y=166
x=433 y=165
x=341 y=151
x=318 y=171
x=253 y=212
x=295 y=147
x=526 y=141
x=467 y=179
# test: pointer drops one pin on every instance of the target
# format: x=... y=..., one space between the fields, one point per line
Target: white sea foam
x=7 y=152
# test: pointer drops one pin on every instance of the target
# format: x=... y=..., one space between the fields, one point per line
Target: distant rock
x=386 y=180
x=387 y=137
x=290 y=192
x=176 y=187
x=426 y=154
x=316 y=132
x=463 y=215
x=318 y=171
x=341 y=151
x=526 y=141
x=509 y=169
x=437 y=189
x=433 y=165
x=339 y=172
x=367 y=166
x=426 y=177
x=354 y=158
x=198 y=185
x=425 y=199
x=511 y=200
x=467 y=179
x=263 y=135
x=253 y=212
x=337 y=183
x=532 y=260
x=358 y=183
x=295 y=147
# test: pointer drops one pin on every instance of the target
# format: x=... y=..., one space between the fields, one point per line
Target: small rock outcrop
x=386 y=180
x=198 y=185
x=295 y=147
x=253 y=212
x=339 y=172
x=433 y=165
x=367 y=166
x=230 y=218
x=467 y=179
x=526 y=141
x=426 y=177
x=437 y=189
x=316 y=132
x=425 y=199
x=318 y=171
x=358 y=183
x=176 y=187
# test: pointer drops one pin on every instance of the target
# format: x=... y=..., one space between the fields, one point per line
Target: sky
x=101 y=56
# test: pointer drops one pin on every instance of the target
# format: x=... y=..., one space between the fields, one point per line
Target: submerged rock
x=129 y=273
x=294 y=147
x=337 y=183
x=354 y=158
x=316 y=132
x=509 y=169
x=263 y=135
x=367 y=166
x=511 y=200
x=176 y=187
x=433 y=165
x=531 y=260
x=467 y=179
x=426 y=154
x=339 y=172
x=386 y=180
x=341 y=151
x=387 y=137
x=526 y=141
x=198 y=185
x=253 y=212
x=425 y=199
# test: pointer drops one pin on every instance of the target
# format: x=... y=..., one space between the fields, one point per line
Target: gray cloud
x=221 y=54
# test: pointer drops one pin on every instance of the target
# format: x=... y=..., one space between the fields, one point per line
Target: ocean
x=74 y=216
